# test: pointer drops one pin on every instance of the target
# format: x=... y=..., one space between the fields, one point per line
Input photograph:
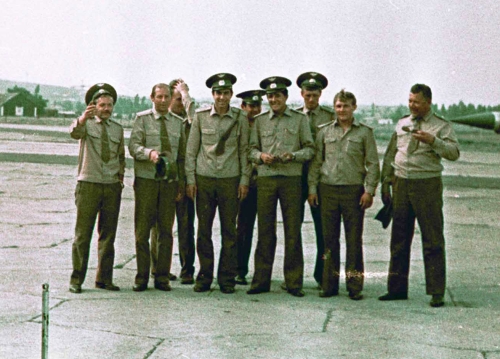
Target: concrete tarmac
x=37 y=220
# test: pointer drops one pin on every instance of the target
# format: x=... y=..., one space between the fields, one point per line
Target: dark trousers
x=421 y=199
x=213 y=193
x=341 y=204
x=92 y=200
x=185 y=233
x=154 y=206
x=286 y=190
x=318 y=228
x=246 y=221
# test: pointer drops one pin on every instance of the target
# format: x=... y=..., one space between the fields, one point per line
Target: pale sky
x=376 y=49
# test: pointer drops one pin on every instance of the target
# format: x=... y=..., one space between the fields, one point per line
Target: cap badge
x=312 y=81
x=272 y=86
x=100 y=84
x=222 y=83
x=313 y=74
x=272 y=79
x=221 y=75
x=255 y=98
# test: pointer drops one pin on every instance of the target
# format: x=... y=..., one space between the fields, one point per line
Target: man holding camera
x=157 y=144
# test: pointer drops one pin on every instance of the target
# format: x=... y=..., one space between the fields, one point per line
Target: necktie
x=165 y=142
x=104 y=143
x=413 y=145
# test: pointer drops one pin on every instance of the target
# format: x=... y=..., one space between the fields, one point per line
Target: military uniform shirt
x=275 y=135
x=345 y=158
x=321 y=115
x=145 y=137
x=91 y=167
x=425 y=161
x=206 y=130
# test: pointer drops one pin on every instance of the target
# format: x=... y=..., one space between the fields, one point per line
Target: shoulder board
x=204 y=109
x=441 y=118
x=327 y=109
x=115 y=122
x=297 y=111
x=365 y=125
x=177 y=117
x=145 y=112
x=262 y=114
x=325 y=124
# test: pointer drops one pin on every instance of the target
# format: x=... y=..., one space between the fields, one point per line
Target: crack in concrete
x=484 y=353
x=327 y=320
x=149 y=353
x=57 y=243
x=34 y=319
x=123 y=264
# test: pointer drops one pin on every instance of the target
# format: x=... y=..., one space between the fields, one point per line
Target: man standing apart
x=252 y=105
x=412 y=166
x=311 y=85
x=218 y=171
x=157 y=141
x=101 y=167
x=346 y=160
x=280 y=143
x=181 y=105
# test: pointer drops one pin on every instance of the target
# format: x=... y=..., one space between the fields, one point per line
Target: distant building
x=18 y=104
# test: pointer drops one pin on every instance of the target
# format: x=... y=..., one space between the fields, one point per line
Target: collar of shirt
x=309 y=112
x=157 y=115
x=100 y=120
x=425 y=118
x=287 y=112
x=355 y=122
x=228 y=113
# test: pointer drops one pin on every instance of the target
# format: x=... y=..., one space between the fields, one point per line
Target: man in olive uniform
x=181 y=105
x=252 y=105
x=101 y=167
x=412 y=167
x=280 y=142
x=342 y=180
x=218 y=171
x=311 y=86
x=157 y=144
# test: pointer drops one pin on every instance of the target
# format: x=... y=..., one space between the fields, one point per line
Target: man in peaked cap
x=157 y=134
x=252 y=105
x=280 y=142
x=311 y=86
x=101 y=167
x=218 y=172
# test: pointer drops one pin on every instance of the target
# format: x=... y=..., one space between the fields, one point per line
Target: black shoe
x=200 y=288
x=241 y=280
x=257 y=291
x=139 y=287
x=188 y=279
x=283 y=286
x=325 y=294
x=296 y=292
x=227 y=290
x=355 y=295
x=437 y=301
x=172 y=276
x=110 y=286
x=393 y=296
x=163 y=286
x=75 y=288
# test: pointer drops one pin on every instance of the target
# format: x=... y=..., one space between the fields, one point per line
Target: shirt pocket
x=114 y=145
x=152 y=138
x=267 y=138
x=209 y=136
x=355 y=146
x=289 y=137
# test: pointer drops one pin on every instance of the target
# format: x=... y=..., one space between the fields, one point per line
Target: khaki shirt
x=345 y=158
x=145 y=137
x=91 y=168
x=274 y=134
x=206 y=130
x=425 y=161
x=321 y=115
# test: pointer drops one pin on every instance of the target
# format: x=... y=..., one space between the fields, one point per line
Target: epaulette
x=177 y=117
x=263 y=114
x=441 y=118
x=204 y=109
x=297 y=111
x=145 y=112
x=327 y=109
x=365 y=125
x=115 y=122
x=325 y=125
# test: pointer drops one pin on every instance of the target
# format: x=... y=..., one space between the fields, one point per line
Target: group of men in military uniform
x=244 y=162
